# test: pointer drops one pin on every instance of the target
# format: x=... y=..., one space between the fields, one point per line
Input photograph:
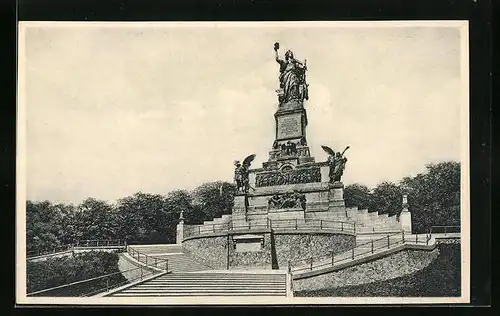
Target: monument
x=290 y=184
x=288 y=201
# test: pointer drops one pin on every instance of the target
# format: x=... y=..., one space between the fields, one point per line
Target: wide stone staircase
x=365 y=222
x=368 y=222
x=178 y=262
x=208 y=284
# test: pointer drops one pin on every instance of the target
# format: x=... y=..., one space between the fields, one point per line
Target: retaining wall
x=390 y=267
x=294 y=247
x=211 y=250
x=255 y=259
x=277 y=250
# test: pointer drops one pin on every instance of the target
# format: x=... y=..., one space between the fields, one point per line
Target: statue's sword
x=345 y=150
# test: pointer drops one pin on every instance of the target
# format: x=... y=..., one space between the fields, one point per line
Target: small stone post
x=336 y=202
x=180 y=229
x=405 y=216
x=289 y=281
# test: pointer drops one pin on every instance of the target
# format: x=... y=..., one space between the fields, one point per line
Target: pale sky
x=116 y=110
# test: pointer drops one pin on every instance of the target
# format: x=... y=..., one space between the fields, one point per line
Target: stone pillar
x=252 y=179
x=405 y=216
x=238 y=213
x=336 y=201
x=325 y=176
x=180 y=229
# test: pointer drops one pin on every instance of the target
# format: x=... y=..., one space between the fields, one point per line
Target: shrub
x=65 y=270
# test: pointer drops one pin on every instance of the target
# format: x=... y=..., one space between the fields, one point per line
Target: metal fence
x=148 y=260
x=96 y=285
x=291 y=224
x=118 y=243
x=43 y=252
x=100 y=243
x=360 y=250
x=444 y=229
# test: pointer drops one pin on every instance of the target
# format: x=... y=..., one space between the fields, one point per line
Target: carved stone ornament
x=287 y=200
x=302 y=175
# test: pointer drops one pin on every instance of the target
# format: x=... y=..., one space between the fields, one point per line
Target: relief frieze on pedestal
x=294 y=176
x=287 y=200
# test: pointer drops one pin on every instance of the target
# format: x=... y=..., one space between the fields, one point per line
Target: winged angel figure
x=241 y=173
x=337 y=162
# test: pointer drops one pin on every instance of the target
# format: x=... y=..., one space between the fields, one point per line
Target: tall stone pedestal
x=336 y=202
x=405 y=220
x=405 y=216
x=239 y=217
x=180 y=230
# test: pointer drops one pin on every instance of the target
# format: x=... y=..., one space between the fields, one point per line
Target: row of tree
x=433 y=197
x=142 y=218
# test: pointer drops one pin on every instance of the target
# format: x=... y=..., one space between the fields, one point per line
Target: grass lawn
x=441 y=278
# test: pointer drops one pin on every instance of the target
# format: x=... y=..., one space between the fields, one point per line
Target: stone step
x=212 y=290
x=209 y=284
x=182 y=277
x=139 y=294
x=159 y=248
x=221 y=220
x=197 y=277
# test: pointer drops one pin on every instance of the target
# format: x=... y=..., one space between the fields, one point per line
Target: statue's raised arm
x=293 y=86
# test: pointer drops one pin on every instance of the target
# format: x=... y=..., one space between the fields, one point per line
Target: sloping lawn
x=59 y=271
x=440 y=278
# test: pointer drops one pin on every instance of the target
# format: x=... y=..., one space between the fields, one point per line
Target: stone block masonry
x=212 y=250
x=390 y=267
x=274 y=252
x=295 y=247
x=256 y=259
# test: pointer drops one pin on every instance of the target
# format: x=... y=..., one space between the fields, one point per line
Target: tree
x=176 y=202
x=214 y=199
x=434 y=196
x=357 y=195
x=68 y=230
x=182 y=200
x=138 y=216
x=95 y=219
x=386 y=198
x=43 y=226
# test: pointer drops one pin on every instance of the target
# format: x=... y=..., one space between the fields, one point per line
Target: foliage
x=140 y=218
x=59 y=271
x=433 y=197
x=95 y=219
x=43 y=230
x=357 y=195
x=213 y=199
x=386 y=198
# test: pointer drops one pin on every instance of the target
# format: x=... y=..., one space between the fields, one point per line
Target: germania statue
x=292 y=78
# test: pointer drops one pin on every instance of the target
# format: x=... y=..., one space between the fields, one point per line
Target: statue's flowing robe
x=332 y=166
x=238 y=177
x=290 y=79
x=339 y=168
